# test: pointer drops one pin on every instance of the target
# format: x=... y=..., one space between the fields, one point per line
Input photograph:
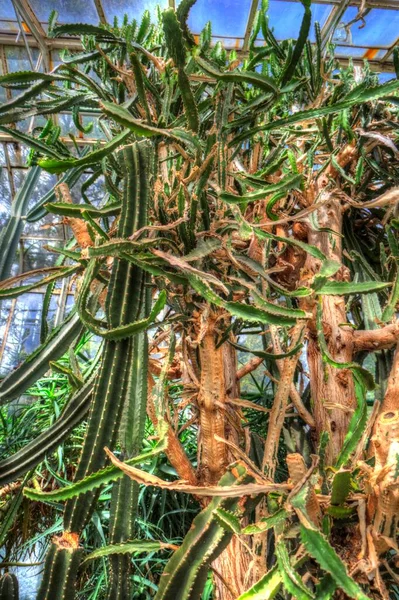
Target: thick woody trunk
x=332 y=389
x=232 y=571
x=218 y=382
x=212 y=406
x=383 y=481
x=391 y=398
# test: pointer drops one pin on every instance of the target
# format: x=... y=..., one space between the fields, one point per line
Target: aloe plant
x=251 y=201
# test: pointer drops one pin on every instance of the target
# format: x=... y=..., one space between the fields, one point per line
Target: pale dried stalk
x=385 y=482
x=277 y=413
x=175 y=451
x=391 y=398
x=329 y=384
x=250 y=366
x=294 y=394
x=230 y=491
x=235 y=560
x=383 y=506
x=78 y=226
x=297 y=470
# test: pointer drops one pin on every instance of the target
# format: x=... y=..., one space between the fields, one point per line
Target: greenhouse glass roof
x=359 y=28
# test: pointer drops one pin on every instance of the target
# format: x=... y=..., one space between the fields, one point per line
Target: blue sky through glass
x=357 y=52
x=69 y=11
x=6 y=10
x=285 y=18
x=134 y=9
x=228 y=17
x=381 y=27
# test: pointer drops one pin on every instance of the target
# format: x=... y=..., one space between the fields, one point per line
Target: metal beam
x=30 y=19
x=250 y=22
x=9 y=39
x=332 y=21
x=391 y=4
x=375 y=65
x=100 y=11
x=34 y=25
x=74 y=44
x=391 y=49
x=23 y=34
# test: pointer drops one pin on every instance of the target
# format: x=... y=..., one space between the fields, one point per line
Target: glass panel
x=35 y=256
x=285 y=18
x=227 y=42
x=8 y=25
x=45 y=183
x=383 y=77
x=95 y=193
x=228 y=17
x=55 y=58
x=18 y=176
x=24 y=333
x=69 y=11
x=7 y=10
x=18 y=59
x=374 y=54
x=5 y=197
x=49 y=226
x=379 y=28
x=5 y=307
x=358 y=52
x=132 y=8
x=67 y=125
x=17 y=154
x=96 y=133
x=3 y=93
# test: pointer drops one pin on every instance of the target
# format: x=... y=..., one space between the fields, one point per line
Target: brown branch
x=294 y=394
x=376 y=339
x=391 y=398
x=277 y=413
x=250 y=366
x=175 y=451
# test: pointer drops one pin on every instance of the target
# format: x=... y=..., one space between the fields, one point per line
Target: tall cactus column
x=115 y=398
x=125 y=492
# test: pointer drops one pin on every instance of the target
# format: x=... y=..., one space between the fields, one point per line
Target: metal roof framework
x=25 y=27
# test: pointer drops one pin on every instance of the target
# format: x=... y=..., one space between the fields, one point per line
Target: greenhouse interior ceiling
x=366 y=29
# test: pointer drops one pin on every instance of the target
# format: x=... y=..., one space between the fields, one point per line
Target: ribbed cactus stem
x=114 y=391
x=9 y=588
x=62 y=562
